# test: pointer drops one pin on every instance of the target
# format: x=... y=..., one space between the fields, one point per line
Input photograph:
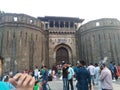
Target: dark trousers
x=44 y=86
x=71 y=84
x=112 y=75
x=106 y=89
x=116 y=77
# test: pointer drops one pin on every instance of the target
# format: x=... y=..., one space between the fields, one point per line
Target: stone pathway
x=58 y=85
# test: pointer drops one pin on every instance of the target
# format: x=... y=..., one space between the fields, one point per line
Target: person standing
x=36 y=73
x=111 y=67
x=36 y=86
x=1 y=62
x=3 y=85
x=65 y=76
x=83 y=78
x=115 y=71
x=70 y=76
x=42 y=71
x=96 y=71
x=76 y=69
x=45 y=78
x=105 y=77
x=91 y=69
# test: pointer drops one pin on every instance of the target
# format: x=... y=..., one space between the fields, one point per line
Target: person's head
x=111 y=62
x=36 y=82
x=1 y=58
x=102 y=66
x=91 y=63
x=64 y=65
x=77 y=64
x=1 y=62
x=96 y=64
x=82 y=63
x=69 y=65
x=114 y=64
x=6 y=78
x=45 y=67
x=36 y=67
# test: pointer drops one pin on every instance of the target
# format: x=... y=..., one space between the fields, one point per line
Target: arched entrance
x=62 y=55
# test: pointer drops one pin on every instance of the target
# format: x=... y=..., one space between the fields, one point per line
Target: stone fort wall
x=22 y=42
x=98 y=39
x=25 y=43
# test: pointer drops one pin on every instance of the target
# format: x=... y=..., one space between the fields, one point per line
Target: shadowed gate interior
x=62 y=55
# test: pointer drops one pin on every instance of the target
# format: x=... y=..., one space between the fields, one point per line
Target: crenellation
x=100 y=23
x=20 y=18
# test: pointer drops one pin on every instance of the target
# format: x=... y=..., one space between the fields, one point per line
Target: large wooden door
x=62 y=55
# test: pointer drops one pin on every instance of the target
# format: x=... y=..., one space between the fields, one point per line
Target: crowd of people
x=90 y=75
x=85 y=75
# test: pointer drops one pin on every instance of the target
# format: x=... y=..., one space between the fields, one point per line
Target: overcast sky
x=85 y=9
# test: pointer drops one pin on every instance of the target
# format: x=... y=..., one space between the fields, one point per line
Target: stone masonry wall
x=99 y=39
x=22 y=42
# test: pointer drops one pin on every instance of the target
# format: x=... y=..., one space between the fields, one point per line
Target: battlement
x=104 y=22
x=19 y=18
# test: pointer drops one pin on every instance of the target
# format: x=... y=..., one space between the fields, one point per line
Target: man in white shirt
x=36 y=73
x=91 y=69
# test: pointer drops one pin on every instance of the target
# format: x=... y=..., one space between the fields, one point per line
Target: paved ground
x=57 y=85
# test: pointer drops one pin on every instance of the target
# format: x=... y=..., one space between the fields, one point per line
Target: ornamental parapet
x=22 y=19
x=104 y=22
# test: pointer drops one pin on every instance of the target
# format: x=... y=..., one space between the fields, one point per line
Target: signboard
x=62 y=40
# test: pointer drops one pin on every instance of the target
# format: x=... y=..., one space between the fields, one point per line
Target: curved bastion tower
x=99 y=39
x=22 y=42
